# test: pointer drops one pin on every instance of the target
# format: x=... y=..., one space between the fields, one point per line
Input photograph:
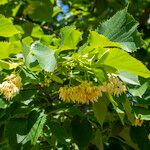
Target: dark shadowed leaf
x=100 y=110
x=81 y=131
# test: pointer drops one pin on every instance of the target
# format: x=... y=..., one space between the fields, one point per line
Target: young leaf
x=69 y=38
x=99 y=41
x=121 y=28
x=44 y=55
x=121 y=60
x=7 y=48
x=37 y=32
x=7 y=29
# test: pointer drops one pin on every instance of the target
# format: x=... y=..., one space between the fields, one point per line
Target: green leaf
x=39 y=10
x=4 y=49
x=143 y=113
x=30 y=59
x=7 y=29
x=99 y=41
x=121 y=60
x=100 y=75
x=37 y=32
x=44 y=55
x=69 y=38
x=56 y=78
x=140 y=90
x=129 y=78
x=7 y=65
x=7 y=48
x=58 y=131
x=14 y=127
x=120 y=113
x=140 y=136
x=3 y=104
x=100 y=110
x=27 y=41
x=128 y=110
x=81 y=131
x=125 y=135
x=98 y=140
x=35 y=131
x=117 y=108
x=121 y=28
x=84 y=49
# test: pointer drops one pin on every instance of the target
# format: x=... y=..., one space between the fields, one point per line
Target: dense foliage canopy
x=74 y=74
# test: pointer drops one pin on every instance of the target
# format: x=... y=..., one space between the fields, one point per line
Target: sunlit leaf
x=121 y=60
x=7 y=48
x=98 y=40
x=69 y=38
x=7 y=29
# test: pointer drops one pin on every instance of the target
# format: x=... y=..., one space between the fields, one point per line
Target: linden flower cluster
x=86 y=93
x=83 y=93
x=138 y=122
x=11 y=86
x=114 y=86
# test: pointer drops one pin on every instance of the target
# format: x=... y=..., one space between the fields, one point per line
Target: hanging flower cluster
x=11 y=86
x=114 y=86
x=86 y=93
x=138 y=122
x=83 y=93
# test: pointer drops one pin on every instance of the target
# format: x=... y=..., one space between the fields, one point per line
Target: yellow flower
x=83 y=93
x=86 y=92
x=114 y=86
x=138 y=122
x=11 y=86
x=14 y=79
